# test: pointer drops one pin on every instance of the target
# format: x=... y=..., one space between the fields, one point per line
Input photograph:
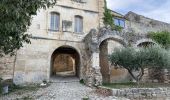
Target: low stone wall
x=138 y=93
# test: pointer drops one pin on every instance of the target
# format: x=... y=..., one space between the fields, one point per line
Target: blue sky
x=157 y=9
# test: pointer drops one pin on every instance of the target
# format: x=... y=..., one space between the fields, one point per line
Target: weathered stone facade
x=85 y=52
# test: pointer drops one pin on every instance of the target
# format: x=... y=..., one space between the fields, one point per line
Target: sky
x=156 y=9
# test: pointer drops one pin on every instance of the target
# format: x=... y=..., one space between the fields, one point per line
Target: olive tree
x=137 y=59
x=15 y=19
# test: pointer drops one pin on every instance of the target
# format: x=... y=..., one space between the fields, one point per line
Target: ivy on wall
x=163 y=38
x=108 y=19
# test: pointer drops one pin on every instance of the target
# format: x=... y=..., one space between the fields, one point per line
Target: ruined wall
x=143 y=25
x=6 y=67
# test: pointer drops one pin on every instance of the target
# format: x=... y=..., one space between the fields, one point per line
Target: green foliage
x=85 y=98
x=137 y=59
x=108 y=18
x=82 y=81
x=162 y=38
x=14 y=21
x=117 y=28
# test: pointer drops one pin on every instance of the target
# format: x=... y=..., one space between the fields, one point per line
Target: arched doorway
x=109 y=73
x=65 y=62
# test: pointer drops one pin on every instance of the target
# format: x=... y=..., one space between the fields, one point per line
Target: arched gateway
x=65 y=61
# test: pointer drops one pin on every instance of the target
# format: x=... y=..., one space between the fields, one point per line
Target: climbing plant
x=108 y=19
x=163 y=38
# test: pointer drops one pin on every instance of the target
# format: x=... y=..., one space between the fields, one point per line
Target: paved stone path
x=60 y=89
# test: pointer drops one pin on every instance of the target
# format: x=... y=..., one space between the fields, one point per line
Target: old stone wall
x=33 y=63
x=137 y=93
x=6 y=67
x=143 y=25
x=63 y=63
x=143 y=93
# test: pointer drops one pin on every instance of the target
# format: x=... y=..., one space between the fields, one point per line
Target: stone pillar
x=96 y=67
x=94 y=77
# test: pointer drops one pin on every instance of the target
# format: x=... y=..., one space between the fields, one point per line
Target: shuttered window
x=78 y=24
x=55 y=21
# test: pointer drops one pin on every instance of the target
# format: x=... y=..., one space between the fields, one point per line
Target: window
x=78 y=24
x=119 y=22
x=55 y=21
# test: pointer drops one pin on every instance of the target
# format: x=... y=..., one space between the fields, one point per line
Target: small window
x=119 y=22
x=78 y=24
x=55 y=21
x=116 y=21
x=122 y=23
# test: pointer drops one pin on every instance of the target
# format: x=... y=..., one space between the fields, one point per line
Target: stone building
x=70 y=39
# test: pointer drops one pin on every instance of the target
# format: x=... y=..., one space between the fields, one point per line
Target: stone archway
x=110 y=74
x=65 y=61
x=145 y=43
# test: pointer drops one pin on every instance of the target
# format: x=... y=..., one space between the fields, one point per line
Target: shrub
x=163 y=38
x=82 y=81
x=137 y=59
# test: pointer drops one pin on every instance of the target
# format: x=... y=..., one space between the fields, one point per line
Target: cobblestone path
x=60 y=89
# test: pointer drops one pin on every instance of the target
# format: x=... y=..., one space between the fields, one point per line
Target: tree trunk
x=138 y=77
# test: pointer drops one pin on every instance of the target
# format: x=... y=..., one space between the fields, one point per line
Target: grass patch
x=134 y=85
x=22 y=89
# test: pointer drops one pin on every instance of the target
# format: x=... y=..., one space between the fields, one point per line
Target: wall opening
x=65 y=61
x=111 y=74
x=104 y=64
x=145 y=44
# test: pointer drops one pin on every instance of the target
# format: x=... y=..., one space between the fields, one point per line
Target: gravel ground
x=60 y=89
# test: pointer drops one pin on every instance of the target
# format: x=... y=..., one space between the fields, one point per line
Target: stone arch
x=106 y=47
x=65 y=61
x=146 y=42
x=113 y=37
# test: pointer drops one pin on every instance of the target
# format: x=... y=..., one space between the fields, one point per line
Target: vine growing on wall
x=108 y=18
